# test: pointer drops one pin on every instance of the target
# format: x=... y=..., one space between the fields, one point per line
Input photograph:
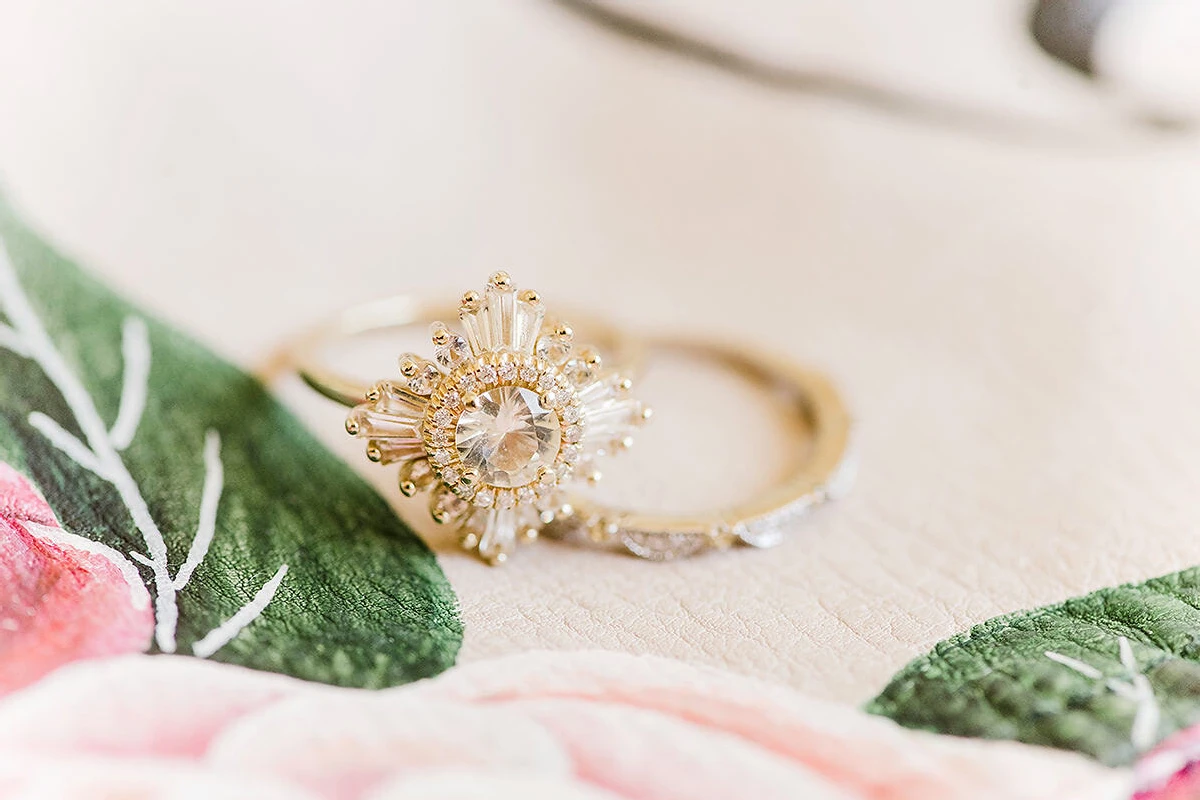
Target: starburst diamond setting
x=500 y=420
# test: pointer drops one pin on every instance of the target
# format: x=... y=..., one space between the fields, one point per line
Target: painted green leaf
x=141 y=439
x=1108 y=674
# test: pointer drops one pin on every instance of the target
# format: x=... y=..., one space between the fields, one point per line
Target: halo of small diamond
x=484 y=373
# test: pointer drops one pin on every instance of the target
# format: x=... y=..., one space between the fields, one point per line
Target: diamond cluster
x=502 y=416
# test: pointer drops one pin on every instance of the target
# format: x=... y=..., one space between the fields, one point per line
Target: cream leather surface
x=1015 y=326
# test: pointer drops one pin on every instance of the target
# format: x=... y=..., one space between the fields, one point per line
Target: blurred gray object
x=1148 y=51
x=1139 y=59
x=1066 y=29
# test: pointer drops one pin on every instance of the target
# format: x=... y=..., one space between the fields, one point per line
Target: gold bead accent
x=408 y=488
x=471 y=301
x=501 y=281
x=530 y=296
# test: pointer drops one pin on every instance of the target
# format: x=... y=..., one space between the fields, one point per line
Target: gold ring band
x=503 y=417
x=762 y=521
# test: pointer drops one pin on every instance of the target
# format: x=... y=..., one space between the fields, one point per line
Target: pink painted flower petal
x=653 y=756
x=1171 y=771
x=19 y=501
x=62 y=597
x=340 y=744
x=869 y=756
x=137 y=705
x=468 y=785
x=27 y=777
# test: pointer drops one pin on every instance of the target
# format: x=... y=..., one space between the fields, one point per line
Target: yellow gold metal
x=762 y=520
x=501 y=281
x=529 y=296
x=759 y=521
x=592 y=359
x=408 y=488
x=470 y=301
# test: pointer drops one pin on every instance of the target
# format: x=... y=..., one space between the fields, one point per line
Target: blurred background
x=980 y=217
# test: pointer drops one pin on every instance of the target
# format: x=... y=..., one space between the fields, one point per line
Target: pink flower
x=589 y=726
x=62 y=597
x=1171 y=771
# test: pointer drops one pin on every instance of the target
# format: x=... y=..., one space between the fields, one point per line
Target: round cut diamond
x=509 y=437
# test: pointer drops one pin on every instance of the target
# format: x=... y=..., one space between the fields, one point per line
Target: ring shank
x=761 y=521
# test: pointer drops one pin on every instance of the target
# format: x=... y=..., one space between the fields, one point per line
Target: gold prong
x=469 y=541
x=408 y=488
x=563 y=330
x=624 y=384
x=440 y=334
x=626 y=443
x=439 y=515
x=545 y=475
x=470 y=477
x=530 y=296
x=501 y=281
x=352 y=426
x=470 y=301
x=408 y=367
x=647 y=414
x=592 y=359
x=471 y=402
x=374 y=393
x=598 y=532
x=374 y=453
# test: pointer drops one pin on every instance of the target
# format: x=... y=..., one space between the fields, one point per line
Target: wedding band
x=508 y=413
x=826 y=473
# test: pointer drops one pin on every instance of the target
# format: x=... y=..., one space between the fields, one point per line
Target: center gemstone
x=508 y=437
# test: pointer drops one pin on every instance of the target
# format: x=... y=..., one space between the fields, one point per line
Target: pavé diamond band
x=825 y=473
x=510 y=412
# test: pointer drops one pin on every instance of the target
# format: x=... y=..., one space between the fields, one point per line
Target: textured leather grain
x=1014 y=325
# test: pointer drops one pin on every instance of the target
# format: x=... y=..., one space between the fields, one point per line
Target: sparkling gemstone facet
x=509 y=437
